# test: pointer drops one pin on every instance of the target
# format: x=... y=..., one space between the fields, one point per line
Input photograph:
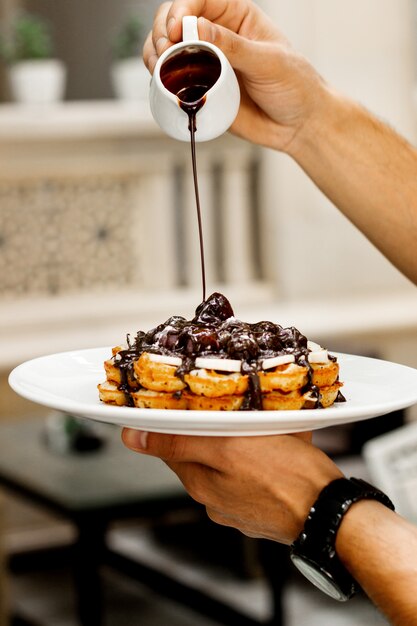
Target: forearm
x=379 y=548
x=368 y=171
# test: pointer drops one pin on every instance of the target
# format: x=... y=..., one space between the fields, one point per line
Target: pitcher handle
x=189 y=28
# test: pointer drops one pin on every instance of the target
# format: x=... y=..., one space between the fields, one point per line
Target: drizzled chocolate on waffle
x=214 y=332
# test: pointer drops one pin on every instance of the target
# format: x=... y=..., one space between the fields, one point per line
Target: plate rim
x=334 y=415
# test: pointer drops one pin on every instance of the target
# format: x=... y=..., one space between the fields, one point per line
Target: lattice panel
x=59 y=236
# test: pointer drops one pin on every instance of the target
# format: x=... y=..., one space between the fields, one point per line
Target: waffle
x=215 y=362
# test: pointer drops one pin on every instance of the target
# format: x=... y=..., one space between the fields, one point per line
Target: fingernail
x=171 y=24
x=136 y=439
x=152 y=61
x=143 y=439
x=161 y=44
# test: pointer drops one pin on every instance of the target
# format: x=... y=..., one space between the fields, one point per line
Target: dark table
x=88 y=489
x=96 y=488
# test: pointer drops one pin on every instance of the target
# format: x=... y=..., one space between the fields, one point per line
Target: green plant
x=30 y=38
x=128 y=42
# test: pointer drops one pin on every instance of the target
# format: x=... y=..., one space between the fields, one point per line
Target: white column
x=153 y=225
x=236 y=218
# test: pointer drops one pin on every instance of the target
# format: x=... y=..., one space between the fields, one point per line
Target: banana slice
x=274 y=361
x=223 y=365
x=320 y=356
x=313 y=346
x=167 y=360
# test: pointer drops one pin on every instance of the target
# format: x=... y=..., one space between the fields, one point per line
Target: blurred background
x=98 y=238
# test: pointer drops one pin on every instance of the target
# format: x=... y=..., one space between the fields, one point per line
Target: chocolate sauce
x=189 y=74
x=125 y=360
x=214 y=331
x=194 y=69
x=192 y=127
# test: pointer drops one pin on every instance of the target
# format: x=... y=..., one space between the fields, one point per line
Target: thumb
x=240 y=51
x=173 y=448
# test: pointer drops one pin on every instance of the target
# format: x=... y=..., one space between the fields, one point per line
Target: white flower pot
x=37 y=82
x=130 y=79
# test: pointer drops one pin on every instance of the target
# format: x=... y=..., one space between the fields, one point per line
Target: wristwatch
x=314 y=552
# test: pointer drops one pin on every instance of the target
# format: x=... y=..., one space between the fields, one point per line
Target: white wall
x=365 y=48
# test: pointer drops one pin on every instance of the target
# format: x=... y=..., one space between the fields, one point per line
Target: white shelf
x=72 y=322
x=74 y=120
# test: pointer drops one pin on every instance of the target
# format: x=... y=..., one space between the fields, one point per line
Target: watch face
x=318 y=577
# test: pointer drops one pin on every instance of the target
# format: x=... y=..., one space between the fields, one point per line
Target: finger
x=150 y=56
x=160 y=37
x=239 y=50
x=230 y=13
x=219 y=518
x=243 y=53
x=198 y=480
x=306 y=436
x=215 y=452
x=174 y=448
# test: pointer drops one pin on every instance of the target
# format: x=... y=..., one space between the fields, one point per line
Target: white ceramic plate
x=68 y=382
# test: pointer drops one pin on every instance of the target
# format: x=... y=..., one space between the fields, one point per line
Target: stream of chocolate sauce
x=189 y=75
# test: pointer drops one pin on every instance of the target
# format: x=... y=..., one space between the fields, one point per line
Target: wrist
x=329 y=115
x=315 y=551
x=361 y=525
x=315 y=483
x=379 y=548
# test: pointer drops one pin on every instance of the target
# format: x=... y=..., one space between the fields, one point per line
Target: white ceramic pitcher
x=221 y=100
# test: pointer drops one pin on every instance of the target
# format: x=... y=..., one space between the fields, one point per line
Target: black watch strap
x=316 y=542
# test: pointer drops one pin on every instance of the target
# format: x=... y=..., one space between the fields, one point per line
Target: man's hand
x=280 y=89
x=264 y=486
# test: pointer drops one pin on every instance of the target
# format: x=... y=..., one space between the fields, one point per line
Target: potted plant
x=35 y=75
x=130 y=78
